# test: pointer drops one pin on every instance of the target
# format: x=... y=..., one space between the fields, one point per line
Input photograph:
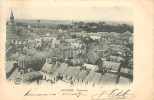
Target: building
x=111 y=66
x=11 y=29
x=90 y=67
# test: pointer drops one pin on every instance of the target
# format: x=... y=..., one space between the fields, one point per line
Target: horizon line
x=78 y=20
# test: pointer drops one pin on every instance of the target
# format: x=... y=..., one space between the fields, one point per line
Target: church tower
x=12 y=25
x=11 y=33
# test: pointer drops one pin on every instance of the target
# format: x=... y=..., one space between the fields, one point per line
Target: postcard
x=77 y=49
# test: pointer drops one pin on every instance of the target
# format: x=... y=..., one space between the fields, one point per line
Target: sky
x=71 y=10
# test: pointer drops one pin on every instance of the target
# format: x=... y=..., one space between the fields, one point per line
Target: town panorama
x=69 y=51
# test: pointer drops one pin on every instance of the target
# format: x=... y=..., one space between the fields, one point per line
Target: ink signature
x=115 y=94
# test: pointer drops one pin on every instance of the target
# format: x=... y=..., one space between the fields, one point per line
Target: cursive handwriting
x=30 y=93
x=116 y=94
x=76 y=93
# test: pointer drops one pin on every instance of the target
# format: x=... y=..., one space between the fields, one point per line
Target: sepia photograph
x=73 y=49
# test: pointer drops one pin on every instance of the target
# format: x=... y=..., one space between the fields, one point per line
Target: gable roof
x=48 y=68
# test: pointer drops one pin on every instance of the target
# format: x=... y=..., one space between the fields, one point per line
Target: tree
x=34 y=61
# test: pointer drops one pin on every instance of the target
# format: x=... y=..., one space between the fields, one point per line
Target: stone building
x=11 y=33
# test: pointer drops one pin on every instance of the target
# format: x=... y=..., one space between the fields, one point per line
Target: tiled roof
x=113 y=65
x=9 y=66
x=48 y=68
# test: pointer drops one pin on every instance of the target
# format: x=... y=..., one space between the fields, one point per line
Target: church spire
x=12 y=17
